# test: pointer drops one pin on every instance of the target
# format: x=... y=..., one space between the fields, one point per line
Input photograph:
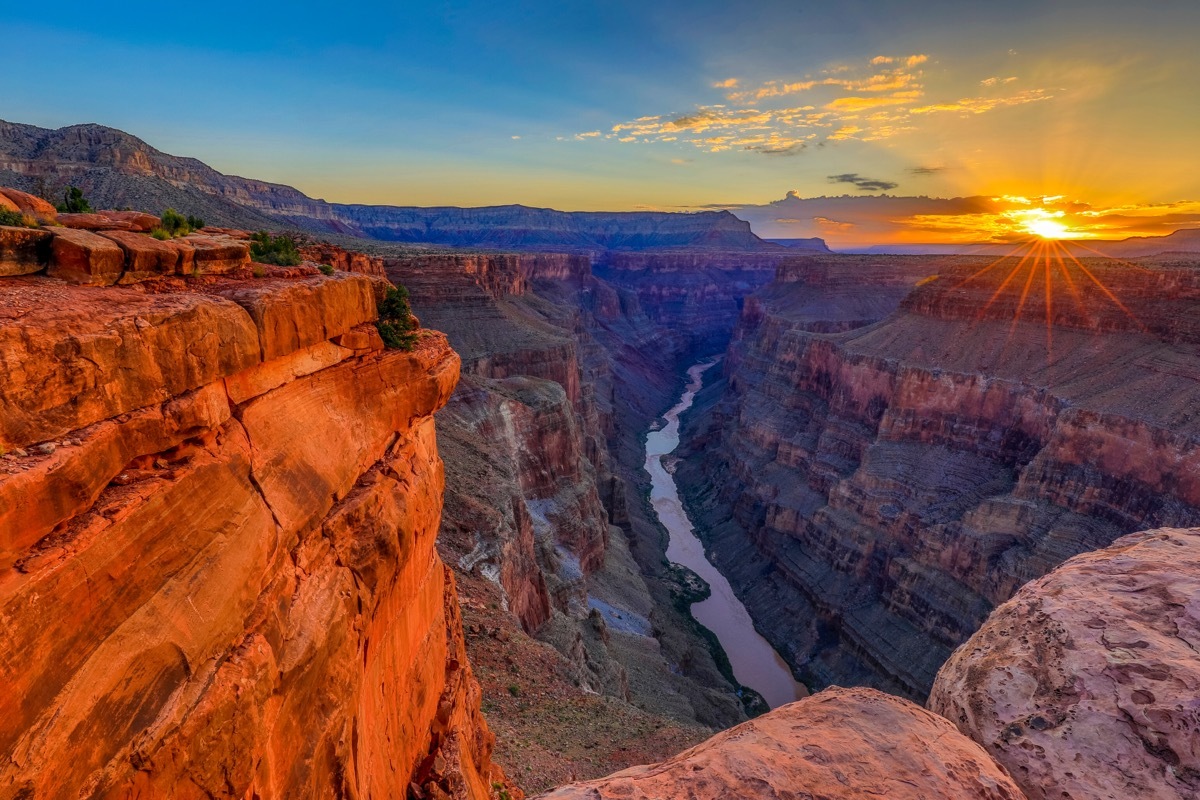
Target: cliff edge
x=218 y=505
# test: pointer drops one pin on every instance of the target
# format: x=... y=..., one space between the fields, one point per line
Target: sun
x=1048 y=229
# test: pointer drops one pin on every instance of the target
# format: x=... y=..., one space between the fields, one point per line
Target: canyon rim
x=643 y=400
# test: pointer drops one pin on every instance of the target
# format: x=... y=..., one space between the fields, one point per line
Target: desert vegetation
x=278 y=250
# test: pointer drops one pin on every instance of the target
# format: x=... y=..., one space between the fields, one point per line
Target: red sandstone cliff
x=898 y=480
x=218 y=508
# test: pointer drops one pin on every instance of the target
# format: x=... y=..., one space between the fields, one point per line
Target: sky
x=621 y=105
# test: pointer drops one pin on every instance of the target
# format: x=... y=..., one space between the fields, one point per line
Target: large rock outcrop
x=217 y=566
x=1084 y=685
x=837 y=745
x=881 y=467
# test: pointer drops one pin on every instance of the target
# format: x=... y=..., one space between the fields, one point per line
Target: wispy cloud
x=880 y=99
x=863 y=184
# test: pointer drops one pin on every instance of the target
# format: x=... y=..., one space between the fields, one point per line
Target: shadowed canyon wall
x=218 y=511
x=880 y=468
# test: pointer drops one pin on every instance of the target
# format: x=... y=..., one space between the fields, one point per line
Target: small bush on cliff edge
x=278 y=250
x=16 y=219
x=74 y=202
x=397 y=326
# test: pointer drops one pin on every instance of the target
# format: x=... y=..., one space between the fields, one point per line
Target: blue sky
x=420 y=103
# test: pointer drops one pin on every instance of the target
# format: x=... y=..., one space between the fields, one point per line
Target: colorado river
x=755 y=663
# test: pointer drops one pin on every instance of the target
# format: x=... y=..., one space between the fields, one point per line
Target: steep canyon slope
x=219 y=500
x=880 y=467
x=545 y=514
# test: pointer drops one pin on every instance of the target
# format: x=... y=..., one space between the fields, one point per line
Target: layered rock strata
x=218 y=511
x=876 y=489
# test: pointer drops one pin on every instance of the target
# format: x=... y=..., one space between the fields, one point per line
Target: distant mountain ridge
x=118 y=170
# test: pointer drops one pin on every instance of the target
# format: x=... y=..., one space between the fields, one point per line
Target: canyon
x=250 y=551
x=878 y=470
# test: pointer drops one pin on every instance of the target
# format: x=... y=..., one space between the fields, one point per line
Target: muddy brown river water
x=755 y=663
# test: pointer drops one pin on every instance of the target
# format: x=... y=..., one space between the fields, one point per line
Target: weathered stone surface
x=839 y=744
x=84 y=257
x=138 y=220
x=30 y=204
x=262 y=378
x=1085 y=683
x=73 y=356
x=195 y=617
x=291 y=314
x=312 y=438
x=93 y=222
x=216 y=255
x=146 y=258
x=51 y=490
x=8 y=205
x=23 y=250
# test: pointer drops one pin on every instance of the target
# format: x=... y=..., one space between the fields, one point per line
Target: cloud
x=516 y=137
x=981 y=105
x=872 y=101
x=863 y=184
x=925 y=171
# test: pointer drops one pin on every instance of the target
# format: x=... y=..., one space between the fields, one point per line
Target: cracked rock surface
x=1086 y=684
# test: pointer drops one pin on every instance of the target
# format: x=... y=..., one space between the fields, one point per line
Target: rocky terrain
x=1082 y=686
x=118 y=170
x=879 y=468
x=219 y=498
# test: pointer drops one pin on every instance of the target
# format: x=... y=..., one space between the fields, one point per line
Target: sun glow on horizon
x=1049 y=229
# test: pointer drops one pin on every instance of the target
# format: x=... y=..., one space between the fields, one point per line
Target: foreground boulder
x=29 y=204
x=1087 y=683
x=841 y=743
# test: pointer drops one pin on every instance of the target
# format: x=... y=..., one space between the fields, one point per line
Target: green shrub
x=175 y=223
x=13 y=218
x=74 y=202
x=514 y=690
x=279 y=250
x=326 y=269
x=195 y=223
x=397 y=326
x=161 y=234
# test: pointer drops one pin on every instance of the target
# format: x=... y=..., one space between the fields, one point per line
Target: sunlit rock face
x=1084 y=684
x=218 y=508
x=841 y=743
x=877 y=487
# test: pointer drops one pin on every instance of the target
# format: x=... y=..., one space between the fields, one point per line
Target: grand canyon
x=409 y=494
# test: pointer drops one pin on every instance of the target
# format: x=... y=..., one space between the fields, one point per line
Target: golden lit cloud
x=883 y=98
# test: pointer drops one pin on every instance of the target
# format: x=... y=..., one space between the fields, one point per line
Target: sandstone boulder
x=145 y=256
x=216 y=255
x=1085 y=684
x=137 y=220
x=30 y=204
x=839 y=744
x=23 y=250
x=8 y=205
x=85 y=257
x=93 y=222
